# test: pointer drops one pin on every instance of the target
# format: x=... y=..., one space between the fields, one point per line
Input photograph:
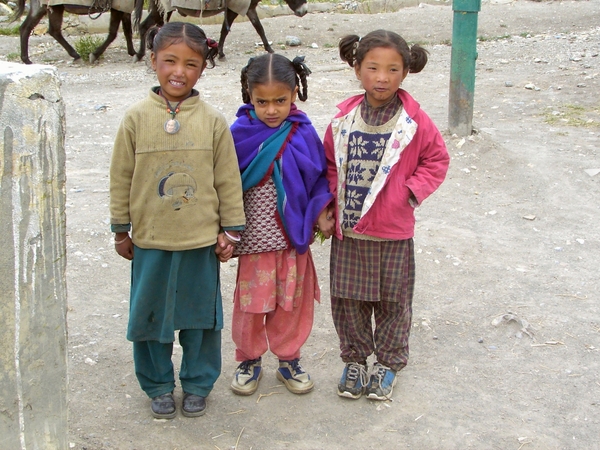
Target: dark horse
x=157 y=16
x=55 y=16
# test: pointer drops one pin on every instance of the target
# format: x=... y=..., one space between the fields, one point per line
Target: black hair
x=354 y=48
x=193 y=36
x=272 y=67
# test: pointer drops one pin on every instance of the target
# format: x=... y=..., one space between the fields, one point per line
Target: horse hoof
x=93 y=58
x=222 y=58
x=136 y=58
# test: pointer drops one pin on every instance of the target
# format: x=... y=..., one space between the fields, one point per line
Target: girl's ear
x=153 y=60
x=294 y=94
x=357 y=71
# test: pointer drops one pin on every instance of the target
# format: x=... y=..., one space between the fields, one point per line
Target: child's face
x=178 y=68
x=381 y=73
x=272 y=102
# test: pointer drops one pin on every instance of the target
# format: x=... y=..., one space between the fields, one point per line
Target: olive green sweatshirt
x=177 y=190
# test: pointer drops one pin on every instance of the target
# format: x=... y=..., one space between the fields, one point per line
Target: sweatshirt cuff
x=120 y=228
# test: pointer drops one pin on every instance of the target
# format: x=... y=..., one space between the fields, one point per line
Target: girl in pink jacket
x=384 y=157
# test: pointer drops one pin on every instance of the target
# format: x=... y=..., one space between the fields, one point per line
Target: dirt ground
x=506 y=328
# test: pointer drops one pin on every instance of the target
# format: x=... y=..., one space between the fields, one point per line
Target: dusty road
x=504 y=347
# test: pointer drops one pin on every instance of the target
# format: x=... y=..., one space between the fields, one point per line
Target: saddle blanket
x=125 y=6
x=238 y=6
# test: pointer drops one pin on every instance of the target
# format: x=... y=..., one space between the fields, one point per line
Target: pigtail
x=213 y=50
x=244 y=82
x=152 y=32
x=347 y=47
x=302 y=72
x=418 y=58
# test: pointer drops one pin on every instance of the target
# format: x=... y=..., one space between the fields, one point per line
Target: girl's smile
x=381 y=73
x=177 y=68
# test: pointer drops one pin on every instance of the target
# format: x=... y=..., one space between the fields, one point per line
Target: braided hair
x=353 y=49
x=192 y=35
x=275 y=68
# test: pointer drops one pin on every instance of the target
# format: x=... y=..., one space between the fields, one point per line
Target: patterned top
x=366 y=145
x=263 y=232
x=382 y=114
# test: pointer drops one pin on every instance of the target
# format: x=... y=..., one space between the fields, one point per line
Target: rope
x=100 y=6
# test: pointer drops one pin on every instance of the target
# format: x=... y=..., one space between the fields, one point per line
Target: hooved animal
x=55 y=9
x=159 y=12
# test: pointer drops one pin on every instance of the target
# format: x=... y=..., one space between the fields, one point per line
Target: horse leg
x=113 y=28
x=128 y=32
x=253 y=17
x=30 y=22
x=154 y=18
x=55 y=18
x=228 y=19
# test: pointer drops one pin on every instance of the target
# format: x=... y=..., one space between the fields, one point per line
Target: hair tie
x=298 y=63
x=212 y=43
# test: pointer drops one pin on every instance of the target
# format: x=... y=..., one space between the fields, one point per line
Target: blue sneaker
x=296 y=380
x=353 y=381
x=382 y=382
x=246 y=377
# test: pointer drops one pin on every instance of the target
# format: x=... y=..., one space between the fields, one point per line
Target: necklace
x=172 y=125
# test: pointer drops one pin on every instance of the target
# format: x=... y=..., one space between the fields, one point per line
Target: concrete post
x=33 y=300
x=462 y=66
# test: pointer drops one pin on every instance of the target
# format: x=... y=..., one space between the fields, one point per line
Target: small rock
x=480 y=340
x=293 y=41
x=508 y=84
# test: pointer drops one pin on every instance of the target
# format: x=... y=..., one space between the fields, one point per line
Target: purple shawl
x=303 y=170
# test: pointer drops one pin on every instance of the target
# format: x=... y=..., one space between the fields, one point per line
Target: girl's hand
x=124 y=245
x=224 y=248
x=326 y=222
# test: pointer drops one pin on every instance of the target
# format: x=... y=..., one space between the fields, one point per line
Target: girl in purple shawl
x=286 y=198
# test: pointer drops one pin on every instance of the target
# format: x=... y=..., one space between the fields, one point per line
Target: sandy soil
x=506 y=330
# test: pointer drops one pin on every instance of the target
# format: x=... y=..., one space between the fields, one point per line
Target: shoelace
x=296 y=367
x=379 y=371
x=245 y=366
x=357 y=372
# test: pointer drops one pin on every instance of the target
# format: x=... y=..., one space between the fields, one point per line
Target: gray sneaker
x=353 y=381
x=382 y=382
x=294 y=377
x=246 y=377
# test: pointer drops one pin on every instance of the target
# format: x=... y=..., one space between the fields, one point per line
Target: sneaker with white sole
x=353 y=381
x=296 y=380
x=382 y=382
x=246 y=377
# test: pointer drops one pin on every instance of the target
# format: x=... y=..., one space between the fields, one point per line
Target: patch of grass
x=493 y=38
x=13 y=57
x=86 y=45
x=573 y=116
x=328 y=45
x=10 y=31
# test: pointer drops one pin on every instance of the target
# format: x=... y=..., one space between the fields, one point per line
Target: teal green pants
x=200 y=363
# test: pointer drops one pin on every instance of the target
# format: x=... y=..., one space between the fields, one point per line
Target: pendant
x=172 y=126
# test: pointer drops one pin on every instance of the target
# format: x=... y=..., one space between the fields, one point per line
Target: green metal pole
x=462 y=66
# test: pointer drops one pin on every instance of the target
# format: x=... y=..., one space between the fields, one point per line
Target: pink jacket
x=415 y=161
